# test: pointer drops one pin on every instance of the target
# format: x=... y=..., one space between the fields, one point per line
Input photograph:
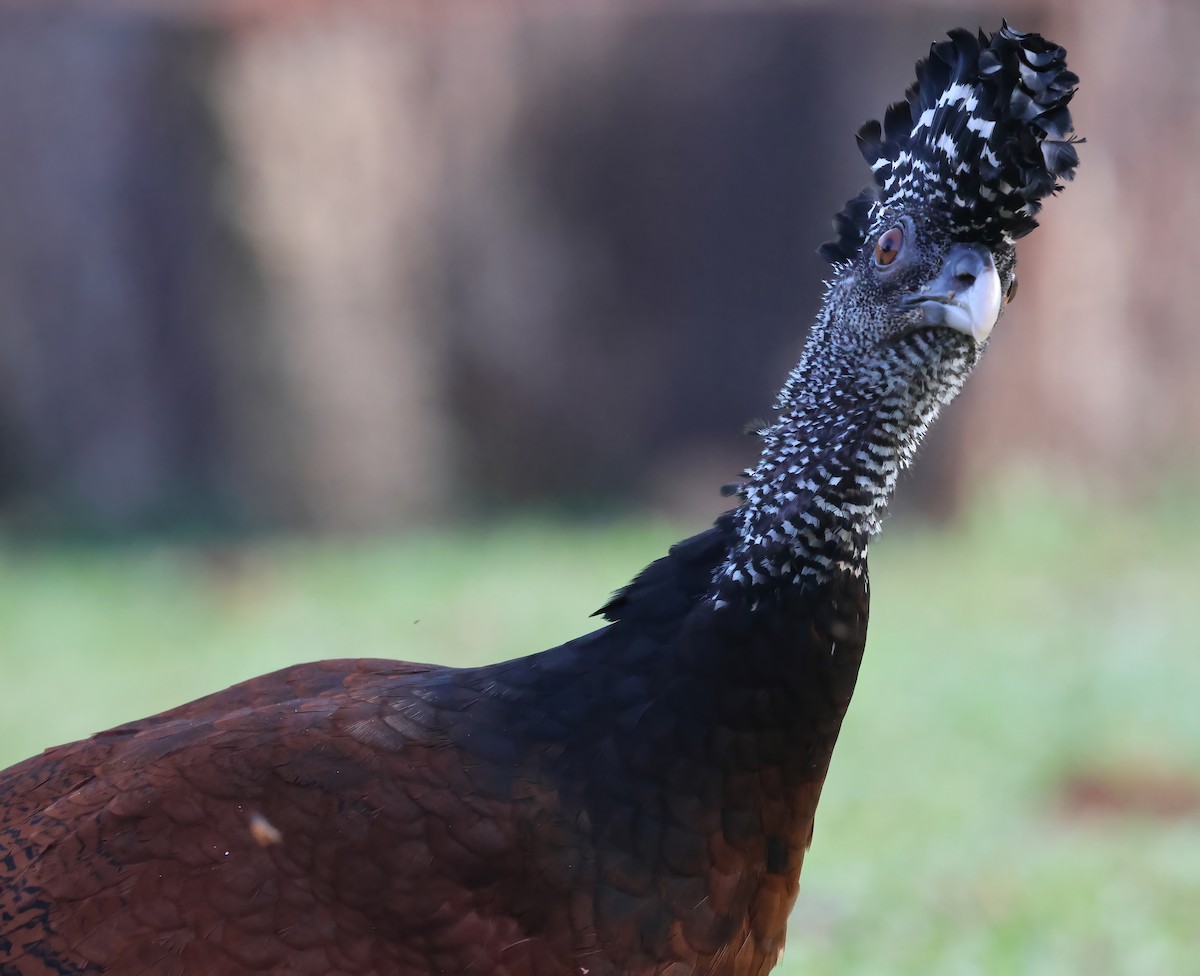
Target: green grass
x=1007 y=657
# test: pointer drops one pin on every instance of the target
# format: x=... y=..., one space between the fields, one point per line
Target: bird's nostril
x=969 y=267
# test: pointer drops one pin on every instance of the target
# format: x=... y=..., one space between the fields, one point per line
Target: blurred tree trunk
x=108 y=245
x=334 y=179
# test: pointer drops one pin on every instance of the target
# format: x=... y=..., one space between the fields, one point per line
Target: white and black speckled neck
x=846 y=427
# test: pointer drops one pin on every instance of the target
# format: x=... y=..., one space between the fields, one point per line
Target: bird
x=638 y=800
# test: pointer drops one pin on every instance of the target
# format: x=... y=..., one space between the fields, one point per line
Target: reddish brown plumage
x=634 y=802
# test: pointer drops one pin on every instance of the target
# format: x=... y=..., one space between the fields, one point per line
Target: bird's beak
x=965 y=296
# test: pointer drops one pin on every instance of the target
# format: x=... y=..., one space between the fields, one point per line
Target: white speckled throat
x=846 y=428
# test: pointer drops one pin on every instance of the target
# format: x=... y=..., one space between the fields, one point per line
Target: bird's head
x=923 y=262
x=925 y=259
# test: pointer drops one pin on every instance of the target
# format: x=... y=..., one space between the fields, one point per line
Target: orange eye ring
x=887 y=248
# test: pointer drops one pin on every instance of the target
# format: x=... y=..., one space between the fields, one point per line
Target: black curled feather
x=983 y=136
x=850 y=225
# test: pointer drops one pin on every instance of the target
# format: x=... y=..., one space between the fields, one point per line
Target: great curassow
x=639 y=800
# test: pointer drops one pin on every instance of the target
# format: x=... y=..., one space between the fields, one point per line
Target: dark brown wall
x=331 y=268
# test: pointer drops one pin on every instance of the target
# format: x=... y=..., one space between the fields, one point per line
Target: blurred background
x=352 y=267
x=413 y=329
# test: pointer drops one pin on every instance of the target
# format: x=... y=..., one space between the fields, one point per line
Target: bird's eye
x=1012 y=291
x=887 y=248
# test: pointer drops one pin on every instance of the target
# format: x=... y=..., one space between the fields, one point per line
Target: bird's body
x=636 y=802
x=577 y=810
